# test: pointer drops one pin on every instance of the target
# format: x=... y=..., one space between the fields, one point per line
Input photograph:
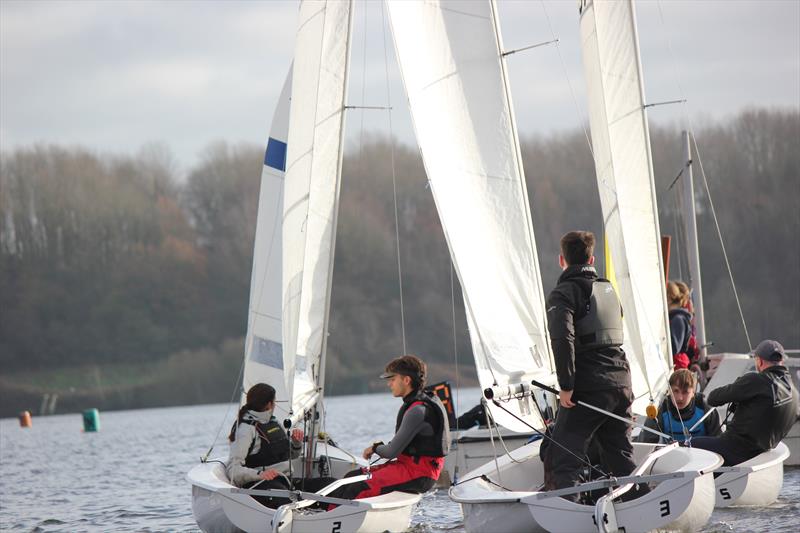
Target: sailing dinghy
x=286 y=337
x=757 y=481
x=506 y=494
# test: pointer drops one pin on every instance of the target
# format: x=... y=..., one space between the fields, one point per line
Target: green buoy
x=91 y=420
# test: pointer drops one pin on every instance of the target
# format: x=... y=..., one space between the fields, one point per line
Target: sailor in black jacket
x=766 y=408
x=585 y=323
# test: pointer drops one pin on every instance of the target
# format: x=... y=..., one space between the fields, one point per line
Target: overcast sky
x=115 y=75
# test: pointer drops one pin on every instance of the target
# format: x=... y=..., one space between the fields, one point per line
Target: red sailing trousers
x=406 y=473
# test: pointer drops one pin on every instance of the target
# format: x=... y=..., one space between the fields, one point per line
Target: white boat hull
x=475 y=447
x=218 y=507
x=754 y=483
x=683 y=503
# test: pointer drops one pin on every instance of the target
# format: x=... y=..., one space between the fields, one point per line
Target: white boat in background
x=290 y=296
x=476 y=446
x=505 y=494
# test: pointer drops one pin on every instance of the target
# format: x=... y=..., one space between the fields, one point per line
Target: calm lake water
x=130 y=476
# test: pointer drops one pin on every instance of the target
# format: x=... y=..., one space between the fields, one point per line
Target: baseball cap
x=769 y=350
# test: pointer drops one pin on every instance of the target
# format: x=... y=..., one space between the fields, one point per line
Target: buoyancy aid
x=671 y=423
x=436 y=445
x=601 y=326
x=274 y=446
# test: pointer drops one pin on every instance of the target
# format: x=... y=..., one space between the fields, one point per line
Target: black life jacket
x=601 y=326
x=436 y=445
x=274 y=444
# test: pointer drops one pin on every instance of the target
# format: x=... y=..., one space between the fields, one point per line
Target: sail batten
x=452 y=68
x=623 y=163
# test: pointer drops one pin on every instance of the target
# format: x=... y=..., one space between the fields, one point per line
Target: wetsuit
x=766 y=408
x=672 y=422
x=585 y=323
x=418 y=448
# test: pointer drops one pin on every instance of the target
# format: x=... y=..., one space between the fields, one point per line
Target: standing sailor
x=766 y=408
x=421 y=440
x=585 y=323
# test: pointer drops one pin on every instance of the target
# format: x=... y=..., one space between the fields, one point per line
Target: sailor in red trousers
x=420 y=442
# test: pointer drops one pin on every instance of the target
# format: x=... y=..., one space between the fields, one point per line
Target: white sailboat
x=505 y=495
x=290 y=293
x=757 y=481
x=462 y=113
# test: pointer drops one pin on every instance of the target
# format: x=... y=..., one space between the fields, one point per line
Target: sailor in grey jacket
x=260 y=443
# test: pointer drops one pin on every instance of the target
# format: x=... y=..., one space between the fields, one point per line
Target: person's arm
x=239 y=448
x=560 y=324
x=713 y=427
x=742 y=389
x=412 y=423
x=296 y=441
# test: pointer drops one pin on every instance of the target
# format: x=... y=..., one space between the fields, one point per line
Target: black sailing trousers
x=577 y=426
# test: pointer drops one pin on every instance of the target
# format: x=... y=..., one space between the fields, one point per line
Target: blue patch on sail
x=275 y=156
x=267 y=352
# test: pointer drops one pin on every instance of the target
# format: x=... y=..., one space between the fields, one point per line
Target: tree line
x=110 y=260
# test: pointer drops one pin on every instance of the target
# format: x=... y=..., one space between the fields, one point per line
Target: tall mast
x=690 y=226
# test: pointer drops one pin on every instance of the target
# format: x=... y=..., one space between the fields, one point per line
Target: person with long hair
x=258 y=440
x=680 y=322
x=260 y=448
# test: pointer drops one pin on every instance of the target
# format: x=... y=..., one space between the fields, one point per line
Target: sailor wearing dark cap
x=765 y=406
x=421 y=440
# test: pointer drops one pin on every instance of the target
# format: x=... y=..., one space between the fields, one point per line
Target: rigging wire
x=721 y=241
x=690 y=129
x=551 y=439
x=459 y=450
x=236 y=390
x=394 y=177
x=581 y=119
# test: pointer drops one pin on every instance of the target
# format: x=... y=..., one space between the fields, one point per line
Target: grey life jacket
x=601 y=327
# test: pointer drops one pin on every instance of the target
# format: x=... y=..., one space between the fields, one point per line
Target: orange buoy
x=25 y=419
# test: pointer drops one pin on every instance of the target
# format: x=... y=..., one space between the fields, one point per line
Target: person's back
x=597 y=365
x=766 y=407
x=680 y=323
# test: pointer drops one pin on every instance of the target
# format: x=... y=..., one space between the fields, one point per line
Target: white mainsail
x=263 y=345
x=623 y=162
x=311 y=194
x=450 y=58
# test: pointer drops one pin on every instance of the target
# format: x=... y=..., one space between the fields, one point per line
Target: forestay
x=263 y=354
x=450 y=58
x=623 y=163
x=312 y=190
